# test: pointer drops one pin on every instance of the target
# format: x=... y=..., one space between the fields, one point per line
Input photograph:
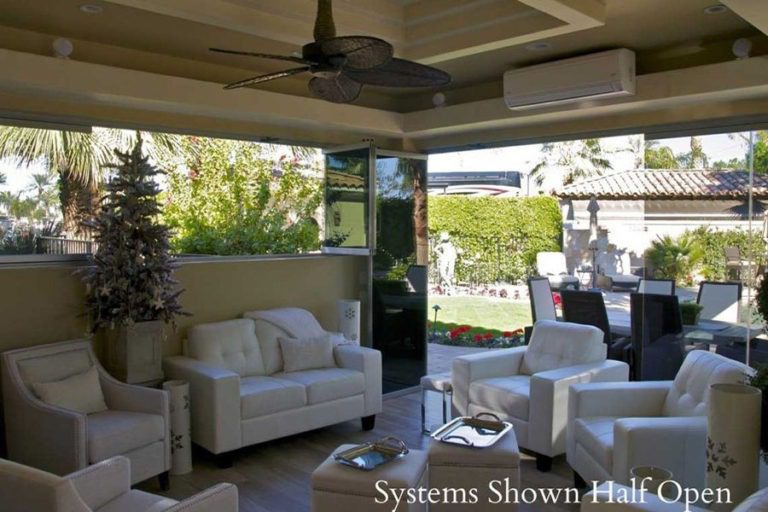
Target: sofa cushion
x=268 y=335
x=81 y=392
x=689 y=395
x=596 y=436
x=134 y=500
x=327 y=384
x=508 y=395
x=561 y=344
x=307 y=353
x=113 y=433
x=260 y=396
x=231 y=345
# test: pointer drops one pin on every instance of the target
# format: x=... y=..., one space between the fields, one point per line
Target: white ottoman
x=459 y=467
x=336 y=487
x=441 y=383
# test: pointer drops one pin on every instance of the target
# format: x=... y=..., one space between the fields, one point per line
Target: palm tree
x=563 y=163
x=79 y=159
x=2 y=178
x=6 y=200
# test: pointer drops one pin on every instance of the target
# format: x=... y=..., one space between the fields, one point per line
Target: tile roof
x=667 y=184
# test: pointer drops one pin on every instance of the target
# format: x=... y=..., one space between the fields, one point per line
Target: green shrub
x=498 y=237
x=713 y=244
x=675 y=259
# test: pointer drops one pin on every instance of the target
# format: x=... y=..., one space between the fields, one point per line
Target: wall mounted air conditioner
x=594 y=76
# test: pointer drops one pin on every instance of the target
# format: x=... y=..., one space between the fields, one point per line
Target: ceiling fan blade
x=341 y=89
x=361 y=52
x=266 y=78
x=399 y=73
x=288 y=58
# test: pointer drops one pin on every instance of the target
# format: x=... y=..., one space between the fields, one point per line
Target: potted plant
x=690 y=311
x=130 y=292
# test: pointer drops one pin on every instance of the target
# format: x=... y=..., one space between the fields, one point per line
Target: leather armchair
x=61 y=441
x=528 y=386
x=613 y=427
x=105 y=487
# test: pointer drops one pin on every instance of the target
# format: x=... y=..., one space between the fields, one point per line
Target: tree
x=42 y=188
x=226 y=198
x=659 y=157
x=563 y=163
x=696 y=158
x=2 y=179
x=130 y=279
x=79 y=160
x=761 y=152
x=6 y=199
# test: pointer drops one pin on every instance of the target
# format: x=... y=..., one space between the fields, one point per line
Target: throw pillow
x=81 y=392
x=307 y=353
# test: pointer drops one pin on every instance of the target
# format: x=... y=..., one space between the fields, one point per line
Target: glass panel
x=346 y=198
x=400 y=270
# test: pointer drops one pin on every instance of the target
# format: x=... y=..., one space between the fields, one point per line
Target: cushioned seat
x=138 y=500
x=114 y=432
x=596 y=435
x=326 y=384
x=260 y=396
x=508 y=395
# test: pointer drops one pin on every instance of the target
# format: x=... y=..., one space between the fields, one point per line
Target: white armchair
x=135 y=424
x=103 y=487
x=528 y=386
x=613 y=427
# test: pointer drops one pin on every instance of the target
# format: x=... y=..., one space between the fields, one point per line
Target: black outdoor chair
x=657 y=348
x=588 y=308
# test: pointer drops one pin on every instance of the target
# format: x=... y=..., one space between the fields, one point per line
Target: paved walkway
x=440 y=357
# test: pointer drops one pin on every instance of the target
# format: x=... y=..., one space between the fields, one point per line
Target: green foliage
x=675 y=258
x=498 y=237
x=18 y=241
x=761 y=152
x=659 y=157
x=713 y=244
x=228 y=199
x=130 y=276
x=689 y=311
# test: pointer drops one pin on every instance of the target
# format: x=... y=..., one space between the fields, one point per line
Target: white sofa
x=136 y=423
x=240 y=395
x=103 y=487
x=528 y=386
x=613 y=427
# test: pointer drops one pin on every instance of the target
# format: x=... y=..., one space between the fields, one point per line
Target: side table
x=181 y=433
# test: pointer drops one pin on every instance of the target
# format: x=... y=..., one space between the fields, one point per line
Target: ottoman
x=441 y=383
x=337 y=487
x=459 y=467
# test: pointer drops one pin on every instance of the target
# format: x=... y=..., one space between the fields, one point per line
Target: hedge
x=713 y=244
x=499 y=237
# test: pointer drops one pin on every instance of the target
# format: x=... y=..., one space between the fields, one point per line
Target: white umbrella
x=593 y=208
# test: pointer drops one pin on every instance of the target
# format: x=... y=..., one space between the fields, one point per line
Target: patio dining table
x=709 y=332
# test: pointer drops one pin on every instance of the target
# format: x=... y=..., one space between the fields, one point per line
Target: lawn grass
x=483 y=314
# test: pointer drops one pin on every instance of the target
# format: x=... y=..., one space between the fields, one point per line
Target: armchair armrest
x=128 y=397
x=220 y=497
x=102 y=482
x=38 y=434
x=215 y=402
x=549 y=401
x=677 y=444
x=368 y=361
x=613 y=497
x=467 y=369
x=618 y=399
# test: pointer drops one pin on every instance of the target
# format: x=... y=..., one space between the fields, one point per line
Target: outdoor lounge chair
x=720 y=300
x=552 y=265
x=620 y=277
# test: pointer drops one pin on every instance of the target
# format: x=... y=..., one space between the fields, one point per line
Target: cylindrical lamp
x=349 y=319
x=181 y=433
x=733 y=442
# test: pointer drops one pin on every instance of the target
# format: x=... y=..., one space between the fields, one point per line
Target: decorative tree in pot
x=130 y=291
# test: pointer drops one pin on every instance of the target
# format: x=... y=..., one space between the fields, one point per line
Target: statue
x=447 y=254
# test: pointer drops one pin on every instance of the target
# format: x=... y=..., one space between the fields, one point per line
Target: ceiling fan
x=340 y=66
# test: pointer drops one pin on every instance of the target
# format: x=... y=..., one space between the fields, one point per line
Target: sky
x=516 y=158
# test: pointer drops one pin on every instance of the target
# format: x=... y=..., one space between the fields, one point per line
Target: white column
x=733 y=442
x=181 y=442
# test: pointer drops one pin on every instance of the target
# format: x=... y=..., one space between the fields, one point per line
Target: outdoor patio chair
x=528 y=386
x=657 y=286
x=733 y=263
x=552 y=265
x=657 y=352
x=105 y=487
x=720 y=300
x=615 y=426
x=542 y=302
x=620 y=277
x=588 y=308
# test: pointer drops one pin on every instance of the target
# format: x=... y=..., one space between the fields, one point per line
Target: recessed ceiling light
x=91 y=9
x=715 y=9
x=539 y=46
